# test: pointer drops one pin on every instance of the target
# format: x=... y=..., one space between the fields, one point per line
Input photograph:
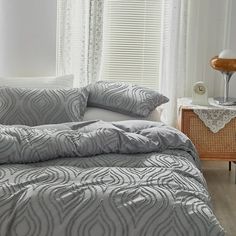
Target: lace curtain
x=79 y=39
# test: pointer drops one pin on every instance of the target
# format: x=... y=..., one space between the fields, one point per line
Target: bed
x=102 y=178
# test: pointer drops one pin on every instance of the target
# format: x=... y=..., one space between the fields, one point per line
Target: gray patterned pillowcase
x=124 y=98
x=41 y=106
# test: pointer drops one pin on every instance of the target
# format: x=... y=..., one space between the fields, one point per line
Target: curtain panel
x=193 y=32
x=79 y=39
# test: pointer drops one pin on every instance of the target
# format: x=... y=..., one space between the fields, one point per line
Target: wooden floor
x=222 y=188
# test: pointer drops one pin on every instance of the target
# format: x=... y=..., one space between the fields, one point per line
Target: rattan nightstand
x=210 y=146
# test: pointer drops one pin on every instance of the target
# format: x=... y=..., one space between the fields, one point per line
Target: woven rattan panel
x=206 y=141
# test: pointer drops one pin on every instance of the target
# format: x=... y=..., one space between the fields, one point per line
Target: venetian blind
x=132 y=40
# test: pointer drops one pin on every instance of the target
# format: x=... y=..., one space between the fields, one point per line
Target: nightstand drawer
x=218 y=146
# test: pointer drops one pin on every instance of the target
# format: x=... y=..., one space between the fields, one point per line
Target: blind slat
x=132 y=40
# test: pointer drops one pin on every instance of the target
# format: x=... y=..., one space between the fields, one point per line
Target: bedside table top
x=214 y=116
x=186 y=103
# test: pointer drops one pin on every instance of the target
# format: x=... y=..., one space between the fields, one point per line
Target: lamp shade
x=222 y=64
x=227 y=54
x=225 y=62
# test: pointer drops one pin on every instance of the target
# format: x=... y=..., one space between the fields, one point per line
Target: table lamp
x=226 y=64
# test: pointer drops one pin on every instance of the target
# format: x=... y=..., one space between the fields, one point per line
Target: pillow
x=65 y=81
x=41 y=106
x=95 y=113
x=124 y=98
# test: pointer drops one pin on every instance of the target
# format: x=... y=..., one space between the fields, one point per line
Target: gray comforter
x=103 y=179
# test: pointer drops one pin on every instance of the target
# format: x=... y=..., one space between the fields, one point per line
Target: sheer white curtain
x=79 y=39
x=193 y=32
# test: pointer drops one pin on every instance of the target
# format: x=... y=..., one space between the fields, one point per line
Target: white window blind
x=132 y=40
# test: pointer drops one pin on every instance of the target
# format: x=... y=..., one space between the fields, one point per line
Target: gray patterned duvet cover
x=131 y=178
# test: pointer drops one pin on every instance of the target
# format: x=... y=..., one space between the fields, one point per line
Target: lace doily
x=215 y=119
x=214 y=116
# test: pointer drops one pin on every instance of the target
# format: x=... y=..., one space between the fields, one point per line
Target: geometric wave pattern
x=124 y=98
x=155 y=193
x=32 y=107
x=31 y=144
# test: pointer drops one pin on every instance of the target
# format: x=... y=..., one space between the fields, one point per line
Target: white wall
x=27 y=37
x=232 y=45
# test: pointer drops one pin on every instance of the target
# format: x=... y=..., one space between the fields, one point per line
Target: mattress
x=131 y=178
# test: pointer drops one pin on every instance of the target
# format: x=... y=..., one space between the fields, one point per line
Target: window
x=132 y=40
